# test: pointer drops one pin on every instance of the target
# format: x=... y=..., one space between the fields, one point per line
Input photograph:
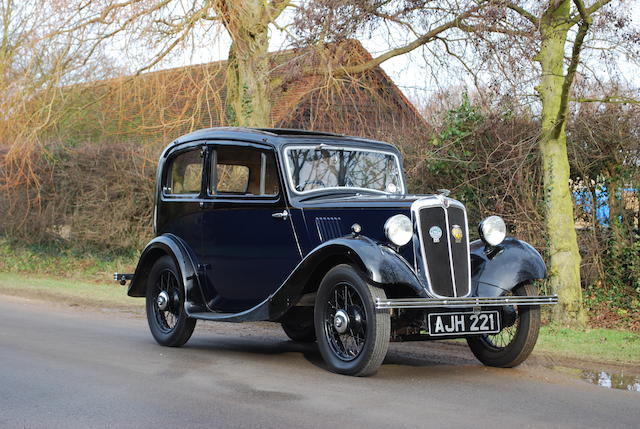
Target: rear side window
x=184 y=176
x=232 y=178
x=244 y=171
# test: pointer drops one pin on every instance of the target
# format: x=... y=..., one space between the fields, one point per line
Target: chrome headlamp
x=492 y=230
x=399 y=229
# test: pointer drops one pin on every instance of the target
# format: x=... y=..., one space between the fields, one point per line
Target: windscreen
x=315 y=168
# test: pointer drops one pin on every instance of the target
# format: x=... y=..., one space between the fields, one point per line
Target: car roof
x=278 y=137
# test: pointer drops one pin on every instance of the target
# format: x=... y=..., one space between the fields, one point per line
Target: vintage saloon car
x=317 y=232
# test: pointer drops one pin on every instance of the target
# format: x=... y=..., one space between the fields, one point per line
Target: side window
x=232 y=179
x=184 y=175
x=244 y=171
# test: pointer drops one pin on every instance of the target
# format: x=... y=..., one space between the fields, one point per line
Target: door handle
x=284 y=215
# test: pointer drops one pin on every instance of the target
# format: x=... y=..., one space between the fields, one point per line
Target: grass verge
x=603 y=345
x=69 y=291
x=58 y=261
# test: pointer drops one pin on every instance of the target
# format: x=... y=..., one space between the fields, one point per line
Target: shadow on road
x=412 y=355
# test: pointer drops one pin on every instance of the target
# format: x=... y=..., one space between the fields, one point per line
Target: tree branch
x=582 y=10
x=614 y=99
x=523 y=12
x=568 y=79
x=275 y=8
x=422 y=40
x=493 y=29
x=597 y=5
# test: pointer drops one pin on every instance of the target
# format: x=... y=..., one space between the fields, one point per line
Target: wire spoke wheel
x=353 y=336
x=345 y=322
x=505 y=337
x=513 y=344
x=168 y=321
x=167 y=306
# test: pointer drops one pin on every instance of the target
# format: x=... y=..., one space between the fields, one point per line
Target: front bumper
x=457 y=302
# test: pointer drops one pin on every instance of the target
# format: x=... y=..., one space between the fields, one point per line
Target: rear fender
x=499 y=269
x=169 y=244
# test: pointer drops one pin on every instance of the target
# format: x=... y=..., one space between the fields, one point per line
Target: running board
x=214 y=317
x=499 y=301
x=256 y=314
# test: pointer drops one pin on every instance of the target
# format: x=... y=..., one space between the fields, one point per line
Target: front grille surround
x=452 y=288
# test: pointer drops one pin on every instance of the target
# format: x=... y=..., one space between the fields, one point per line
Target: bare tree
x=38 y=54
x=154 y=30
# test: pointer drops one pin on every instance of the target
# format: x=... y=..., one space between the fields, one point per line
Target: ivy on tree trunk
x=553 y=89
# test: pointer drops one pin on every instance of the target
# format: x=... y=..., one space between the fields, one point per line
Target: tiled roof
x=187 y=98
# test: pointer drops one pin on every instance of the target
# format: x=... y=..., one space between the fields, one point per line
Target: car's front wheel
x=352 y=335
x=511 y=346
x=167 y=318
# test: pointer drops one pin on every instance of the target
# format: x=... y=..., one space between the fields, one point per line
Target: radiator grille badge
x=456 y=231
x=435 y=232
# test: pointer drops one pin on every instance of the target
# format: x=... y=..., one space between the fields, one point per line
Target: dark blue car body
x=257 y=257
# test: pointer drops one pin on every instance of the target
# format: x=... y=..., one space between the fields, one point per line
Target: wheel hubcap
x=163 y=300
x=341 y=321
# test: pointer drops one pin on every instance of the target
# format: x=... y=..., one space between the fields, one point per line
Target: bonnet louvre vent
x=329 y=228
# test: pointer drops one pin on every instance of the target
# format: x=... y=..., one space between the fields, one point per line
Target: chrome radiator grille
x=443 y=254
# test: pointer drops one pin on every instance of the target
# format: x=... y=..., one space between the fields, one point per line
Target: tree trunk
x=248 y=101
x=564 y=262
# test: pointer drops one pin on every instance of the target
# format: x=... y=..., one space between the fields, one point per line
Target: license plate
x=484 y=322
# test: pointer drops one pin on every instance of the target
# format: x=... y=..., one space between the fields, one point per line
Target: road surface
x=67 y=367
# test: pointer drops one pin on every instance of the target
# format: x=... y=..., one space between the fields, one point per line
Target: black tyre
x=511 y=346
x=300 y=332
x=167 y=319
x=353 y=337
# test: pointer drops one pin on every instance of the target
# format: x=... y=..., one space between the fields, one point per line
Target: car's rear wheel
x=299 y=331
x=511 y=346
x=166 y=316
x=352 y=335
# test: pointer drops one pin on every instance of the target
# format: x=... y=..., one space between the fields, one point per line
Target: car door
x=249 y=247
x=182 y=190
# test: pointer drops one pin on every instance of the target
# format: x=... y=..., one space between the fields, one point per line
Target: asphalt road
x=71 y=367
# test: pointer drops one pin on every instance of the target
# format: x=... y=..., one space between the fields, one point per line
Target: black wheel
x=300 y=332
x=353 y=337
x=511 y=346
x=167 y=319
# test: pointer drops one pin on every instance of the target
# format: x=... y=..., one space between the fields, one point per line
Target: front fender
x=168 y=244
x=496 y=270
x=379 y=264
